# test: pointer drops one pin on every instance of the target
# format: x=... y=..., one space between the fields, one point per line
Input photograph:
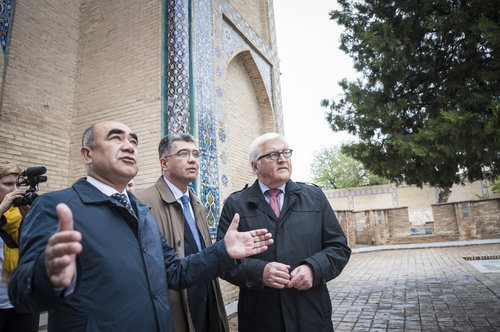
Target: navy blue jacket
x=123 y=271
x=307 y=232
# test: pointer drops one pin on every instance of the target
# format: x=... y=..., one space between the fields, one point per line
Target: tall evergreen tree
x=428 y=104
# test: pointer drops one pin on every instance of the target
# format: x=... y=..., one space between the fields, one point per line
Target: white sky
x=311 y=66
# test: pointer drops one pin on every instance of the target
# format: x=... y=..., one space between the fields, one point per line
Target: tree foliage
x=427 y=106
x=495 y=186
x=332 y=169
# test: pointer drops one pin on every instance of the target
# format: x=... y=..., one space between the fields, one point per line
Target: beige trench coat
x=170 y=218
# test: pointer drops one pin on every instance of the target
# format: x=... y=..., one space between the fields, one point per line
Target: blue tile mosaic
x=205 y=110
x=6 y=7
x=178 y=66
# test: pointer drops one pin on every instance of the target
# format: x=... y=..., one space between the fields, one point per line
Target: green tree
x=427 y=106
x=495 y=186
x=332 y=169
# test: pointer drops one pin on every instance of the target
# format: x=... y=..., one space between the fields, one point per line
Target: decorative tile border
x=6 y=8
x=205 y=110
x=178 y=66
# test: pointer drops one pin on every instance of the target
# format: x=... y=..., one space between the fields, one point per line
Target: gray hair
x=167 y=143
x=256 y=146
x=88 y=137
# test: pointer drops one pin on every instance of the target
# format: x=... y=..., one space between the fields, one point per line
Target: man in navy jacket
x=100 y=263
x=284 y=288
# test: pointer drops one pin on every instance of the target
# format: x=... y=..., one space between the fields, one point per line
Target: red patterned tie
x=275 y=205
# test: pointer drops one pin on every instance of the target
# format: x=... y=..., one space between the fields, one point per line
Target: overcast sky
x=311 y=65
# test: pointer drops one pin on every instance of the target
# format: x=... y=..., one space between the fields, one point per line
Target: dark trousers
x=12 y=320
x=201 y=297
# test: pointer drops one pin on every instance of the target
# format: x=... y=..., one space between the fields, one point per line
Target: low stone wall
x=466 y=220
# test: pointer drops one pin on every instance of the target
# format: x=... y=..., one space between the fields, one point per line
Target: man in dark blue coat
x=284 y=288
x=98 y=261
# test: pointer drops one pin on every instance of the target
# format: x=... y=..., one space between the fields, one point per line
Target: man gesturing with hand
x=94 y=257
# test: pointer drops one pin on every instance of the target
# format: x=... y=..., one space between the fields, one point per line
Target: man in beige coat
x=199 y=308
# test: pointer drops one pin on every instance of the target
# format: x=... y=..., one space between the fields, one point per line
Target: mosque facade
x=207 y=67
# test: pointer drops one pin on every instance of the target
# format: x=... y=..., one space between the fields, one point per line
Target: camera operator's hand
x=62 y=248
x=9 y=199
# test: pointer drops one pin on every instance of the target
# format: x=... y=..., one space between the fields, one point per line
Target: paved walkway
x=428 y=287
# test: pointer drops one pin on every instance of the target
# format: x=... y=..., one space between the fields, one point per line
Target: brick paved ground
x=429 y=289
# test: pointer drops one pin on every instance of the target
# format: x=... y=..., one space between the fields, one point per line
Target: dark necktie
x=190 y=220
x=122 y=199
x=275 y=205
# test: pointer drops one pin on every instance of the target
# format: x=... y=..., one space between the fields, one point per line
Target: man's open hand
x=244 y=244
x=62 y=248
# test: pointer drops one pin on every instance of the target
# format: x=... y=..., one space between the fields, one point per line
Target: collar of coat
x=169 y=198
x=255 y=196
x=91 y=195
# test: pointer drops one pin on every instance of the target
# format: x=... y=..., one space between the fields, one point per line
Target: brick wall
x=345 y=219
x=469 y=220
x=119 y=77
x=362 y=227
x=379 y=224
x=445 y=222
x=244 y=122
x=88 y=61
x=399 y=223
x=487 y=215
x=37 y=100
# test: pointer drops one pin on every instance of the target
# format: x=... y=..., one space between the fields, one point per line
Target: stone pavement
x=425 y=287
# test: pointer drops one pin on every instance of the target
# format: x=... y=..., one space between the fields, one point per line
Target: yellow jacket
x=11 y=255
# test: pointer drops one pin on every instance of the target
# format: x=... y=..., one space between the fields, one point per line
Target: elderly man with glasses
x=284 y=289
x=182 y=219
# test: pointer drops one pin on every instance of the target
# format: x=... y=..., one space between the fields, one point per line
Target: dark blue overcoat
x=307 y=232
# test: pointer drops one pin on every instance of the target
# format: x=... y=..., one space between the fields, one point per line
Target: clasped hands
x=277 y=275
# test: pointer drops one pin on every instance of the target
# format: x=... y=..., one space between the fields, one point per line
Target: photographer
x=10 y=221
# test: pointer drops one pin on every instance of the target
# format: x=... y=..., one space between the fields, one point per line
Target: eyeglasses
x=287 y=153
x=184 y=154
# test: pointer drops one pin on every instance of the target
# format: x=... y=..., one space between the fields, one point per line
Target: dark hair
x=167 y=143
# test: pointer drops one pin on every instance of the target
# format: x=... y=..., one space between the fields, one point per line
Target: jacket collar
x=166 y=194
x=255 y=196
x=89 y=194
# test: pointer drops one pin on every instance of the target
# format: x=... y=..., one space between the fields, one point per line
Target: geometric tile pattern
x=177 y=67
x=205 y=110
x=6 y=7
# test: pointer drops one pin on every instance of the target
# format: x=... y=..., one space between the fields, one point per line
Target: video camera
x=31 y=177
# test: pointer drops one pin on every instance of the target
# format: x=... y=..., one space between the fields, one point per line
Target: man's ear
x=86 y=153
x=254 y=167
x=163 y=164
